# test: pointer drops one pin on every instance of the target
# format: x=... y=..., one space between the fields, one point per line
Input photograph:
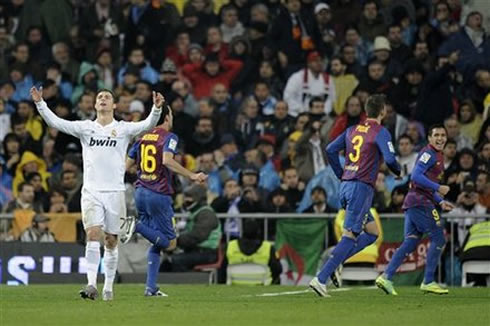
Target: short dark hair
x=165 y=112
x=435 y=126
x=21 y=186
x=316 y=99
x=105 y=90
x=31 y=176
x=375 y=105
x=451 y=141
x=405 y=136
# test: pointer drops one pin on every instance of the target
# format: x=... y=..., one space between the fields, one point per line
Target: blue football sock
x=363 y=240
x=154 y=236
x=408 y=245
x=153 y=267
x=339 y=254
x=437 y=243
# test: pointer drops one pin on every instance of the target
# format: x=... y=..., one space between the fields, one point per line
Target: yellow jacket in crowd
x=28 y=157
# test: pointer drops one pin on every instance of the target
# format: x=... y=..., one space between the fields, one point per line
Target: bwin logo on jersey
x=103 y=142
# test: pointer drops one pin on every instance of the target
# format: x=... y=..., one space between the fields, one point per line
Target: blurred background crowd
x=257 y=89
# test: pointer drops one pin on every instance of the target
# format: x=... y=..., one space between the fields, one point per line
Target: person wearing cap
x=201 y=236
x=382 y=52
x=307 y=83
x=39 y=231
x=323 y=17
x=204 y=76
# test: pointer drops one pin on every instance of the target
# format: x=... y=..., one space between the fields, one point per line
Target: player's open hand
x=199 y=177
x=443 y=190
x=446 y=206
x=37 y=95
x=158 y=99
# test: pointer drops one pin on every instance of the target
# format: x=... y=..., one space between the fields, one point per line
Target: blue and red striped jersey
x=148 y=153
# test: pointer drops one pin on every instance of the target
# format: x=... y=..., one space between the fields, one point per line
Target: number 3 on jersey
x=148 y=160
x=357 y=142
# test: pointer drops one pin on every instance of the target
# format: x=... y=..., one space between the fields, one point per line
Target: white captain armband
x=390 y=147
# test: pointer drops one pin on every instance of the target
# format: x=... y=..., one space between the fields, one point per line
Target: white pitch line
x=276 y=294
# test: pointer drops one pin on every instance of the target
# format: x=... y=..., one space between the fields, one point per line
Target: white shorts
x=103 y=208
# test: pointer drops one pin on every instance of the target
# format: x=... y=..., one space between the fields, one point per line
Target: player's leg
x=92 y=219
x=150 y=204
x=351 y=229
x=367 y=237
x=412 y=238
x=115 y=208
x=160 y=214
x=437 y=243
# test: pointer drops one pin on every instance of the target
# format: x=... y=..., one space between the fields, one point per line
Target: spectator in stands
x=422 y=55
x=211 y=72
x=204 y=139
x=280 y=124
x=453 y=128
x=399 y=51
x=450 y=152
x=21 y=56
x=230 y=26
x=11 y=153
x=73 y=188
x=40 y=194
x=54 y=73
x=104 y=64
x=137 y=60
x=307 y=83
x=435 y=102
x=310 y=156
x=416 y=131
x=345 y=83
x=266 y=101
x=404 y=95
x=183 y=124
x=248 y=124
x=467 y=204
x=85 y=107
x=39 y=50
x=69 y=66
x=348 y=53
x=371 y=23
x=193 y=25
x=88 y=81
x=382 y=52
x=257 y=35
x=267 y=73
x=268 y=177
x=319 y=201
x=375 y=81
x=362 y=48
x=57 y=201
x=34 y=125
x=394 y=122
x=323 y=19
x=143 y=93
x=353 y=114
x=191 y=106
x=22 y=81
x=4 y=120
x=5 y=186
x=29 y=163
x=228 y=203
x=101 y=24
x=293 y=187
x=202 y=234
x=406 y=155
x=39 y=231
x=467 y=163
x=24 y=199
x=472 y=44
x=483 y=188
x=397 y=197
x=470 y=121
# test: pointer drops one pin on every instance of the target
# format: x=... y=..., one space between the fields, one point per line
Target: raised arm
x=333 y=150
x=383 y=141
x=151 y=121
x=68 y=127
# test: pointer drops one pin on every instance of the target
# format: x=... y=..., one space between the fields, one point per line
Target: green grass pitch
x=235 y=305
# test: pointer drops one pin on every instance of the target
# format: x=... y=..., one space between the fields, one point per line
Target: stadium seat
x=475 y=267
x=359 y=273
x=248 y=273
x=212 y=269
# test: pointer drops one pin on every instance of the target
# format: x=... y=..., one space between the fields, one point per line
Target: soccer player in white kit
x=104 y=145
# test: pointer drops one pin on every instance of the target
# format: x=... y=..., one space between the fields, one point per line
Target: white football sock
x=92 y=255
x=110 y=266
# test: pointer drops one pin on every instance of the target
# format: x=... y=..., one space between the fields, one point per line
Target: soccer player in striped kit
x=365 y=145
x=422 y=214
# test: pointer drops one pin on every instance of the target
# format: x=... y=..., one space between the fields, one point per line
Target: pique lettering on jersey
x=151 y=137
x=103 y=142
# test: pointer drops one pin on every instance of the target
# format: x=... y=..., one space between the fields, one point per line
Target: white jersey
x=104 y=148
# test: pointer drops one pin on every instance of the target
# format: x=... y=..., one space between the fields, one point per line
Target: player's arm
x=333 y=150
x=152 y=119
x=131 y=157
x=383 y=141
x=52 y=120
x=424 y=163
x=174 y=166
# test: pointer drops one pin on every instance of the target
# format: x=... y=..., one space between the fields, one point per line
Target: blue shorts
x=422 y=219
x=155 y=211
x=356 y=198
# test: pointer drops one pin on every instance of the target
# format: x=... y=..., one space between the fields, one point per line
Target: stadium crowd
x=257 y=89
